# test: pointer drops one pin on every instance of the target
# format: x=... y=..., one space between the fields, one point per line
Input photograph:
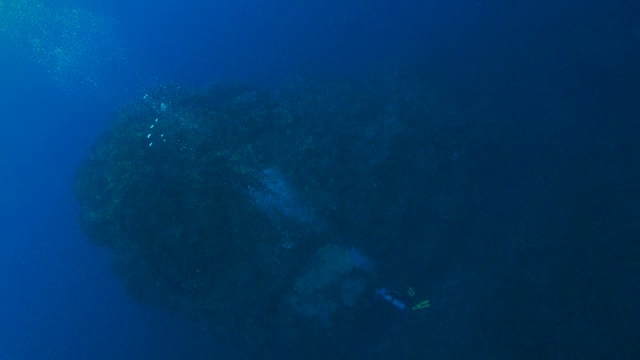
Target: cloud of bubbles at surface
x=77 y=48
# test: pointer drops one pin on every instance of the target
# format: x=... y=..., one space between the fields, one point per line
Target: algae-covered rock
x=259 y=214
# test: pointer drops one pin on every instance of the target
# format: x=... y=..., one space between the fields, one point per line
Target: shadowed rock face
x=261 y=216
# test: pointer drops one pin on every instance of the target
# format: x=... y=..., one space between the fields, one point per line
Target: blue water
x=542 y=261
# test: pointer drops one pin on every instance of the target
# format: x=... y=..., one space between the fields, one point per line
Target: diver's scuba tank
x=391 y=297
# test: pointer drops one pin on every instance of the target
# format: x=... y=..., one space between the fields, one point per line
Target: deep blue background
x=545 y=60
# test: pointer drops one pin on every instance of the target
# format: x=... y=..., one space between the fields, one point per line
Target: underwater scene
x=320 y=180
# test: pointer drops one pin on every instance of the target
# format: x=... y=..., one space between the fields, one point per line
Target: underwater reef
x=272 y=217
